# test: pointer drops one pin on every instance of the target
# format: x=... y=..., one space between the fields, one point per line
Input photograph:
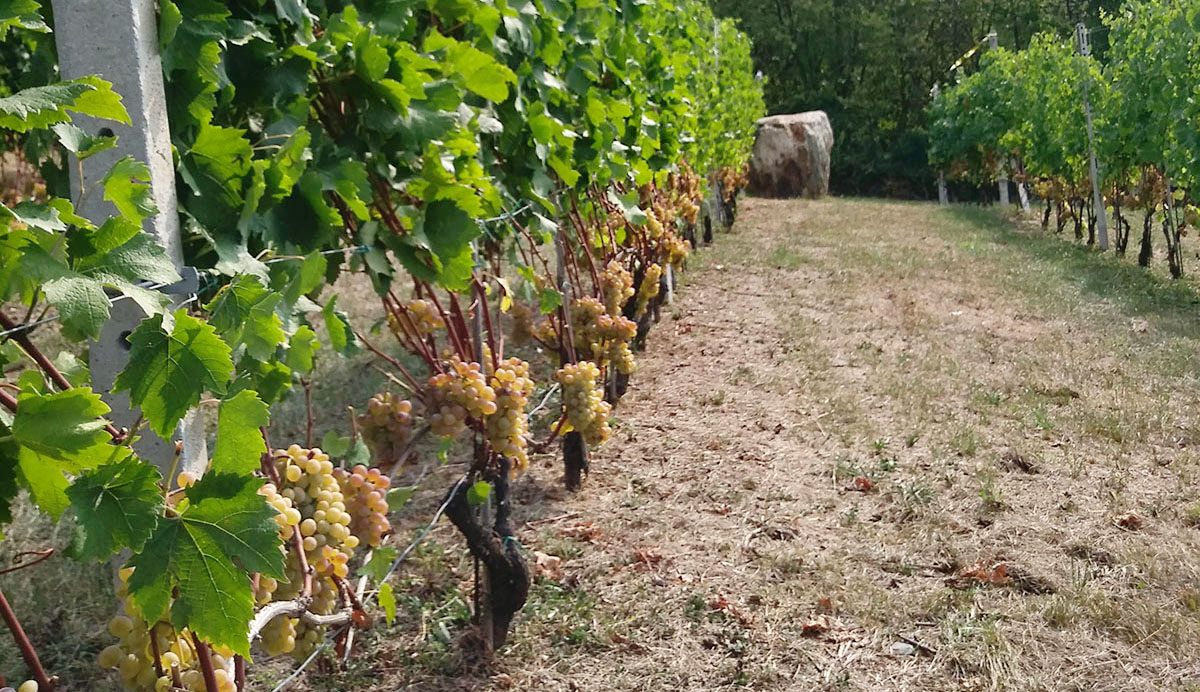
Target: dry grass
x=853 y=408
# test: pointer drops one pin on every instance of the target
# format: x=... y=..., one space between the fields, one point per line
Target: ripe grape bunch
x=310 y=501
x=649 y=289
x=460 y=393
x=386 y=427
x=605 y=336
x=508 y=426
x=133 y=654
x=365 y=493
x=616 y=286
x=587 y=411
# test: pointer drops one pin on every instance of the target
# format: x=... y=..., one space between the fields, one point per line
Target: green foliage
x=116 y=506
x=225 y=520
x=870 y=65
x=169 y=371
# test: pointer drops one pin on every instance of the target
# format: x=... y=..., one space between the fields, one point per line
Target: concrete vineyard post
x=993 y=44
x=118 y=40
x=1093 y=168
x=943 y=196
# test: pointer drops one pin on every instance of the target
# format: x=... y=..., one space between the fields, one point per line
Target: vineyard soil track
x=1002 y=413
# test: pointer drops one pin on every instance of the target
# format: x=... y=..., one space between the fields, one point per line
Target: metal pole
x=1093 y=167
x=994 y=44
x=943 y=195
x=118 y=40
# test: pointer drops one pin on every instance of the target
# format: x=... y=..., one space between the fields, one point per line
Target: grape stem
x=43 y=555
x=206 y=667
x=297 y=608
x=45 y=683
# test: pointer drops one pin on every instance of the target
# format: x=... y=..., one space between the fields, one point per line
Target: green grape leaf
x=397 y=498
x=478 y=493
x=549 y=300
x=240 y=444
x=380 y=562
x=60 y=425
x=335 y=445
x=226 y=532
x=387 y=601
x=302 y=347
x=167 y=373
x=21 y=14
x=40 y=107
x=480 y=72
x=127 y=186
x=8 y=478
x=450 y=231
x=337 y=326
x=81 y=143
x=116 y=506
x=359 y=453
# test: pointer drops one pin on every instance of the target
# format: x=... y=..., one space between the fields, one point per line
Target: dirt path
x=878 y=446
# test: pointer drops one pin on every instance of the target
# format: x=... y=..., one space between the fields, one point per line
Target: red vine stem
x=391 y=361
x=206 y=667
x=45 y=683
x=44 y=555
x=47 y=367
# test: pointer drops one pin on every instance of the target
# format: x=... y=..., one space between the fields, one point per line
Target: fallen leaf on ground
x=548 y=566
x=982 y=573
x=1129 y=521
x=584 y=531
x=818 y=625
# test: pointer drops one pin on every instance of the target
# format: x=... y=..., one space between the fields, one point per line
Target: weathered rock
x=791 y=155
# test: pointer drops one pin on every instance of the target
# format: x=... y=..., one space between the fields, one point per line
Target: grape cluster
x=133 y=654
x=425 y=316
x=386 y=427
x=460 y=393
x=616 y=286
x=648 y=291
x=675 y=250
x=27 y=686
x=508 y=426
x=522 y=323
x=587 y=411
x=310 y=502
x=654 y=225
x=365 y=493
x=732 y=179
x=606 y=337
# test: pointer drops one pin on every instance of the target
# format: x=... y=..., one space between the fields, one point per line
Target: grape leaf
x=127 y=186
x=226 y=520
x=59 y=433
x=116 y=506
x=22 y=14
x=81 y=143
x=240 y=443
x=380 y=562
x=42 y=106
x=167 y=373
x=8 y=478
x=450 y=231
x=62 y=424
x=301 y=348
x=387 y=600
x=244 y=312
x=337 y=325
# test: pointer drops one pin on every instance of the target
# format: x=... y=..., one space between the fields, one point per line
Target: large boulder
x=791 y=155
